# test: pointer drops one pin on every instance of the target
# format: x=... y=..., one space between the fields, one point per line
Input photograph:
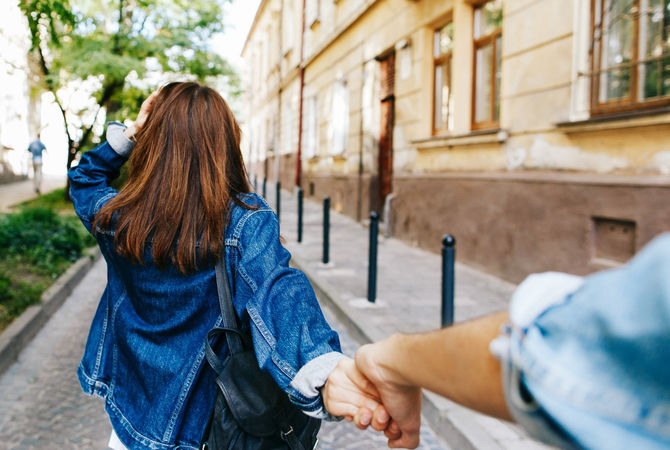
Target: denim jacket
x=586 y=361
x=145 y=356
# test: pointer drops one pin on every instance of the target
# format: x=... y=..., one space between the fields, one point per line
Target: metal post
x=326 y=230
x=372 y=260
x=448 y=256
x=265 y=182
x=300 y=198
x=278 y=204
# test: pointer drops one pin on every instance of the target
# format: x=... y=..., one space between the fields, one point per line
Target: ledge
x=24 y=328
x=544 y=177
x=496 y=136
x=615 y=121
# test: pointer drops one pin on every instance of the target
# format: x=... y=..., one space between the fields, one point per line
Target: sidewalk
x=13 y=193
x=408 y=300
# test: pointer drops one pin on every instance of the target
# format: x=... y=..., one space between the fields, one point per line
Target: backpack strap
x=230 y=327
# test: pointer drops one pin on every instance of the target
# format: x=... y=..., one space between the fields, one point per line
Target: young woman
x=187 y=197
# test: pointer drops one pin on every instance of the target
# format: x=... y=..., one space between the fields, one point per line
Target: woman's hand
x=347 y=393
x=145 y=109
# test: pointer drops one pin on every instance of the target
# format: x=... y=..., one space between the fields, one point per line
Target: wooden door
x=387 y=112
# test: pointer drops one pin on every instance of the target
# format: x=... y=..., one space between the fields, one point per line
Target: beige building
x=535 y=131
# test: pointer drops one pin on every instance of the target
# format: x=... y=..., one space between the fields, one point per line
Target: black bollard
x=448 y=256
x=300 y=198
x=265 y=182
x=278 y=198
x=372 y=261
x=326 y=230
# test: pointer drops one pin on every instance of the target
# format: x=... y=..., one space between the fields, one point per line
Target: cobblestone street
x=42 y=406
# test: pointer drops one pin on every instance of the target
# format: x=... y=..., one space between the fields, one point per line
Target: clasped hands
x=368 y=392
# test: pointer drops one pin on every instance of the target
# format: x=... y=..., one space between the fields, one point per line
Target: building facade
x=534 y=131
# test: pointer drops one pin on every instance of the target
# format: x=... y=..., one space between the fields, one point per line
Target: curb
x=440 y=424
x=21 y=332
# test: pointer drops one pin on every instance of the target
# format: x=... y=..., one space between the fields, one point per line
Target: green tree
x=117 y=51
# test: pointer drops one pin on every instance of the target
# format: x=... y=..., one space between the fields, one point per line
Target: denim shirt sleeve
x=90 y=180
x=292 y=339
x=586 y=361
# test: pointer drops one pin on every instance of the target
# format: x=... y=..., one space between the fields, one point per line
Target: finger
x=393 y=432
x=362 y=382
x=363 y=418
x=351 y=397
x=340 y=409
x=406 y=441
x=380 y=418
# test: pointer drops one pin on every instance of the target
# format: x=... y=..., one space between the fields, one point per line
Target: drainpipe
x=278 y=144
x=298 y=163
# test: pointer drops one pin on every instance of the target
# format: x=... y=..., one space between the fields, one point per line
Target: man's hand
x=401 y=399
x=348 y=394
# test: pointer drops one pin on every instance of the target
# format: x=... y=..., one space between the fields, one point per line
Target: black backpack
x=250 y=411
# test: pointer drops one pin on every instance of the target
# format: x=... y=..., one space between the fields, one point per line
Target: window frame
x=478 y=43
x=446 y=58
x=340 y=138
x=631 y=102
x=315 y=11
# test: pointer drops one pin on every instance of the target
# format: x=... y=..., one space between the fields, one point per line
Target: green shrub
x=54 y=200
x=36 y=245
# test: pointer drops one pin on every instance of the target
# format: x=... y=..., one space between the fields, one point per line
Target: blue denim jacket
x=145 y=355
x=587 y=360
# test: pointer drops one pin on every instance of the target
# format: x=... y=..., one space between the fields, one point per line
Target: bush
x=36 y=245
x=40 y=237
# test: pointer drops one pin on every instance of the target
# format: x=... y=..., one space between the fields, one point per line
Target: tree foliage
x=117 y=51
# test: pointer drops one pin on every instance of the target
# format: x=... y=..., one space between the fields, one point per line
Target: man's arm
x=454 y=362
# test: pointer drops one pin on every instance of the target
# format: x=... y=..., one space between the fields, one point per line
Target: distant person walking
x=36 y=147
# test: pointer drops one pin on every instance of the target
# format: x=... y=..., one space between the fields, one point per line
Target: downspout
x=298 y=162
x=278 y=143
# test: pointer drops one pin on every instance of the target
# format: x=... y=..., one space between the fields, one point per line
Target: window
x=630 y=54
x=487 y=57
x=312 y=8
x=443 y=42
x=312 y=135
x=340 y=121
x=288 y=30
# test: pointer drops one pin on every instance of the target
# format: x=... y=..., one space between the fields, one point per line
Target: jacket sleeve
x=292 y=339
x=90 y=180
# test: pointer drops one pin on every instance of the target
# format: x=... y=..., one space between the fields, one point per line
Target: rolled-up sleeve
x=90 y=180
x=586 y=361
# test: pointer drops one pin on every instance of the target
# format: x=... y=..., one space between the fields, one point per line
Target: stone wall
x=514 y=224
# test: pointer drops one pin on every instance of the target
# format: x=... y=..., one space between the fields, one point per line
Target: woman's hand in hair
x=145 y=109
x=349 y=394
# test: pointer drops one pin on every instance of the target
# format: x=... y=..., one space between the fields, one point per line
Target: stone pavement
x=42 y=406
x=408 y=300
x=13 y=193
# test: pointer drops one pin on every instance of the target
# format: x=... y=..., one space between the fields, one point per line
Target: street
x=42 y=406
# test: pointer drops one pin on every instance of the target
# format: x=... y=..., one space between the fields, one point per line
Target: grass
x=37 y=244
x=53 y=200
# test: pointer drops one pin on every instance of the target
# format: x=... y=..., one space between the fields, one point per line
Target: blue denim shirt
x=587 y=360
x=145 y=354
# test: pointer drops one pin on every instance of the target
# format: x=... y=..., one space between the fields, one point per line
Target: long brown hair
x=184 y=171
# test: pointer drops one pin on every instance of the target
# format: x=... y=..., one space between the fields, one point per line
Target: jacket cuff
x=311 y=378
x=117 y=140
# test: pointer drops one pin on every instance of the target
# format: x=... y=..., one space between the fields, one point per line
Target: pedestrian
x=186 y=203
x=36 y=148
x=579 y=363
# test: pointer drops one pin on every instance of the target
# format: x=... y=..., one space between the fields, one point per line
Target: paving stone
x=42 y=405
